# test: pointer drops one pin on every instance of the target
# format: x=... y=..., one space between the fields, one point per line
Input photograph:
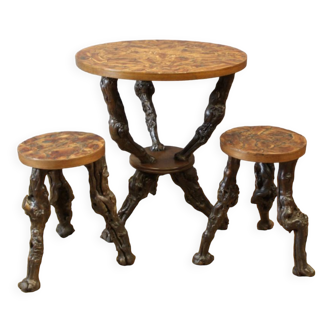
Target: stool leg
x=104 y=203
x=193 y=193
x=292 y=219
x=264 y=194
x=228 y=194
x=61 y=198
x=37 y=207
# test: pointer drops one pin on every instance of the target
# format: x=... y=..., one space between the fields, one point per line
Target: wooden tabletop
x=161 y=60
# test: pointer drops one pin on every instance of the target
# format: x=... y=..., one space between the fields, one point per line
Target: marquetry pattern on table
x=161 y=60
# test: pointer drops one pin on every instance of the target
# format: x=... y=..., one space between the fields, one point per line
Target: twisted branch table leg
x=140 y=186
x=144 y=91
x=227 y=197
x=61 y=198
x=264 y=194
x=292 y=219
x=118 y=124
x=214 y=114
x=104 y=203
x=37 y=207
x=193 y=193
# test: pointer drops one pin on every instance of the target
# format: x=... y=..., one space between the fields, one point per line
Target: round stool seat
x=263 y=144
x=61 y=150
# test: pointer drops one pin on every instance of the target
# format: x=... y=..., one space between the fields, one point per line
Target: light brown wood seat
x=61 y=150
x=263 y=144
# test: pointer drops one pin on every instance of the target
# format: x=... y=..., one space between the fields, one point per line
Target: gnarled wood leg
x=61 y=198
x=214 y=114
x=118 y=124
x=37 y=207
x=292 y=219
x=264 y=194
x=228 y=194
x=144 y=91
x=104 y=203
x=140 y=186
x=193 y=193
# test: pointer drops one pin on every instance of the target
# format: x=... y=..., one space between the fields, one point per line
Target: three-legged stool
x=264 y=145
x=47 y=155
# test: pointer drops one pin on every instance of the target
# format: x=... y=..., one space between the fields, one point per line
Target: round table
x=161 y=60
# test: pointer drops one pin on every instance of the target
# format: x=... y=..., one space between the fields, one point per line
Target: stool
x=264 y=145
x=47 y=155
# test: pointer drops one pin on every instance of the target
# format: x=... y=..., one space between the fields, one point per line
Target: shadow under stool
x=48 y=154
x=263 y=145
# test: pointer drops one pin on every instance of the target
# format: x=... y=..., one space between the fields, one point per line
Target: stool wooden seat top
x=61 y=150
x=263 y=144
x=161 y=60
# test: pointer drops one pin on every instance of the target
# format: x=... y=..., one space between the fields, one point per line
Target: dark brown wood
x=144 y=91
x=264 y=144
x=165 y=162
x=140 y=186
x=161 y=60
x=61 y=150
x=214 y=114
x=264 y=194
x=188 y=181
x=61 y=198
x=37 y=207
x=227 y=197
x=104 y=203
x=146 y=61
x=118 y=124
x=292 y=219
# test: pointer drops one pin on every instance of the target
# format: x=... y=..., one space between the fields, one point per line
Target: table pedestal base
x=145 y=180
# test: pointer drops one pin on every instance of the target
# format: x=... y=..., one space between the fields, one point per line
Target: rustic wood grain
x=61 y=150
x=161 y=60
x=263 y=144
